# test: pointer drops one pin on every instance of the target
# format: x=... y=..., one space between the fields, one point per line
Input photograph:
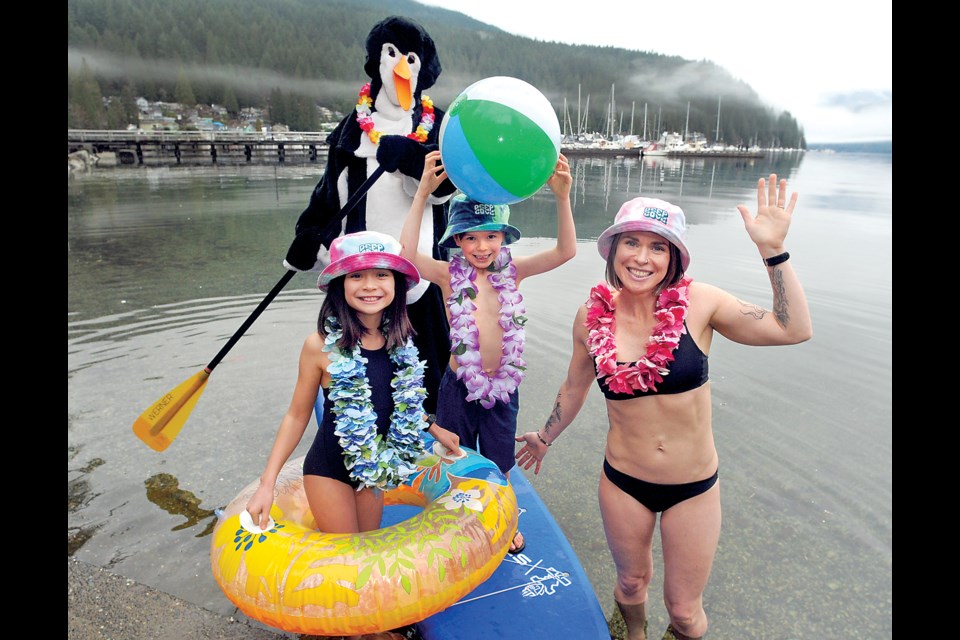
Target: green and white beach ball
x=500 y=140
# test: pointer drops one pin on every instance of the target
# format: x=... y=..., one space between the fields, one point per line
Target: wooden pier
x=165 y=148
x=193 y=148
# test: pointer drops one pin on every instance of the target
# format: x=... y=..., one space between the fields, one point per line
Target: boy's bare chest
x=487 y=313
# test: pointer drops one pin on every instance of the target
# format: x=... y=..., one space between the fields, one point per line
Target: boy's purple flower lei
x=372 y=461
x=646 y=372
x=465 y=338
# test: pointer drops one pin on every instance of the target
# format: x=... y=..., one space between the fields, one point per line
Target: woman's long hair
x=674 y=271
x=395 y=324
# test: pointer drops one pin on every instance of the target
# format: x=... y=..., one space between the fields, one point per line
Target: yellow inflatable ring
x=295 y=578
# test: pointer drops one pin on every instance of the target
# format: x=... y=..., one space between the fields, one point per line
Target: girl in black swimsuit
x=364 y=339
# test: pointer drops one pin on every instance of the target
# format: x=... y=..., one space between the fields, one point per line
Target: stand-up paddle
x=163 y=420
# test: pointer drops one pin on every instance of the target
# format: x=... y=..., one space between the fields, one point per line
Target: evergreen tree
x=183 y=93
x=304 y=115
x=85 y=108
x=116 y=118
x=230 y=102
x=279 y=113
x=128 y=100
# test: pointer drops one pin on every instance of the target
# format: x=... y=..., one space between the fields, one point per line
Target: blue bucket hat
x=467 y=214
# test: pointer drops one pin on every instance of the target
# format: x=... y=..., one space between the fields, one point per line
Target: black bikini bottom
x=657 y=497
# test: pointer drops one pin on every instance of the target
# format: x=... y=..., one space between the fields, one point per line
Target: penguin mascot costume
x=394 y=127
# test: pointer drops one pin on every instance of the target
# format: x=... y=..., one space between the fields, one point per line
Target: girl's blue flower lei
x=372 y=461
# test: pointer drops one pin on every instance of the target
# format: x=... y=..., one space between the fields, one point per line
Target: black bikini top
x=688 y=370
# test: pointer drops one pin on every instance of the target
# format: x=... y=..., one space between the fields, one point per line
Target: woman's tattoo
x=748 y=309
x=780 y=304
x=554 y=416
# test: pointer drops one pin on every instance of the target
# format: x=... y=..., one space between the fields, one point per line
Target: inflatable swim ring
x=295 y=578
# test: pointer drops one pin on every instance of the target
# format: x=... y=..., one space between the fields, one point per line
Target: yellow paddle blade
x=160 y=424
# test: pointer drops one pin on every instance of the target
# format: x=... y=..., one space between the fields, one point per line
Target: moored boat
x=673 y=145
x=667 y=143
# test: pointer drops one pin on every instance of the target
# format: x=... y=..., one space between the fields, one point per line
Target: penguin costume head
x=402 y=62
x=402 y=58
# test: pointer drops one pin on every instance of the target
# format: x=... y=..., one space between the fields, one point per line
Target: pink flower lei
x=465 y=337
x=646 y=372
x=365 y=119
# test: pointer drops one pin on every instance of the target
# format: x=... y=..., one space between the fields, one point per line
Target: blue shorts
x=491 y=432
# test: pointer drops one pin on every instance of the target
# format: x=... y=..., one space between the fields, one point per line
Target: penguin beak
x=401 y=80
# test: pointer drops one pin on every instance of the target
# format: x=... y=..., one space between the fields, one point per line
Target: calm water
x=165 y=264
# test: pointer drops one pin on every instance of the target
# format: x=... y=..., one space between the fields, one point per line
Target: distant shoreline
x=876 y=146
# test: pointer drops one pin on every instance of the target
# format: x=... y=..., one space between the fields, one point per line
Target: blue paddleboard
x=542 y=592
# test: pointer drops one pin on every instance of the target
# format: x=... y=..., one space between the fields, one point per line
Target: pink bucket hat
x=366 y=250
x=648 y=214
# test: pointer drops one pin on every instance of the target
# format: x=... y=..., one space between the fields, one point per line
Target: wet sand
x=102 y=605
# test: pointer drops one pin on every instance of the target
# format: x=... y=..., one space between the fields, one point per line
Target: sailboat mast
x=586 y=115
x=719 y=100
x=686 y=125
x=613 y=114
x=579 y=121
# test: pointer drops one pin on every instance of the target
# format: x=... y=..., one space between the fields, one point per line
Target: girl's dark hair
x=395 y=324
x=674 y=271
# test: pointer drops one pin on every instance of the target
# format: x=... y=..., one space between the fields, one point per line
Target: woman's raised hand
x=768 y=228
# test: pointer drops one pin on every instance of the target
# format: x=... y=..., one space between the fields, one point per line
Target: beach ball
x=500 y=140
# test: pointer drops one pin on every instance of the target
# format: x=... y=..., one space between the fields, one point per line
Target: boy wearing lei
x=479 y=398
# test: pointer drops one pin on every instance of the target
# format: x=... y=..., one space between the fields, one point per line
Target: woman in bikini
x=479 y=398
x=645 y=339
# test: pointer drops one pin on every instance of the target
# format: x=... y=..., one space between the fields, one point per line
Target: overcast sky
x=829 y=63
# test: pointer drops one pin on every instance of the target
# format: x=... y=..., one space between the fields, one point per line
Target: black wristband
x=431 y=420
x=775 y=260
x=540 y=438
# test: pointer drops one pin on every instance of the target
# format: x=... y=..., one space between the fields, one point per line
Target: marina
x=642 y=152
x=577 y=141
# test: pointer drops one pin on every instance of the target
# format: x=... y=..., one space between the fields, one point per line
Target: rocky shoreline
x=105 y=606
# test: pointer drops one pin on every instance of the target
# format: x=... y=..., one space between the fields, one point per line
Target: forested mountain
x=240 y=53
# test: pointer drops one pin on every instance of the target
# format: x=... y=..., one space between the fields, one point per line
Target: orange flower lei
x=365 y=119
